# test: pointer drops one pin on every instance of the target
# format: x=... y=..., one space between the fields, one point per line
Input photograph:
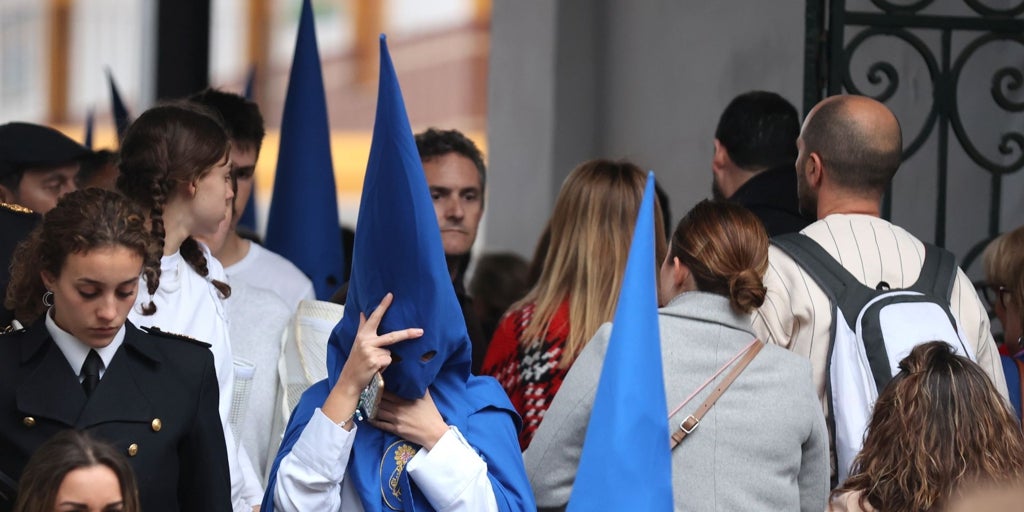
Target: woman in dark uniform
x=81 y=365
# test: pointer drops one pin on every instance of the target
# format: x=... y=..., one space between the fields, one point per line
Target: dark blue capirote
x=303 y=222
x=120 y=112
x=248 y=219
x=398 y=249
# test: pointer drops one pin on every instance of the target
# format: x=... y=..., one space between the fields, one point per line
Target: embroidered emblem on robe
x=392 y=465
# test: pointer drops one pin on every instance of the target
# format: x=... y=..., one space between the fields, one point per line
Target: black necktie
x=91 y=372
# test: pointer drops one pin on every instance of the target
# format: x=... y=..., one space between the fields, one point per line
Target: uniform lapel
x=50 y=389
x=120 y=396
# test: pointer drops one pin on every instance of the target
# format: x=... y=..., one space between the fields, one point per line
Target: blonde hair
x=1004 y=257
x=591 y=229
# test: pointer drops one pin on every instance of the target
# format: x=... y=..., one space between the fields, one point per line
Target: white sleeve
x=310 y=476
x=452 y=475
x=246 y=488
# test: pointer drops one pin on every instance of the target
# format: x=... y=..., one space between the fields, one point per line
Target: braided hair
x=166 y=146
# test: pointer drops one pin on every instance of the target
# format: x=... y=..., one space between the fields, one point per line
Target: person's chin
x=98 y=337
x=455 y=243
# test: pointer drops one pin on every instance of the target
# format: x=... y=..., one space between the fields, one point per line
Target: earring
x=48 y=299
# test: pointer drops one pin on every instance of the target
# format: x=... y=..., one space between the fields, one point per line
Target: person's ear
x=720 y=160
x=7 y=195
x=680 y=272
x=814 y=170
x=49 y=280
x=186 y=189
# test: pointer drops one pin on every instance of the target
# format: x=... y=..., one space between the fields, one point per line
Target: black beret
x=27 y=145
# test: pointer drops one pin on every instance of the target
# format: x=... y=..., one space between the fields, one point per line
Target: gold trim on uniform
x=17 y=208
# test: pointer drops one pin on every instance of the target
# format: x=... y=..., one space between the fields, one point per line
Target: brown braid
x=156 y=228
x=193 y=254
x=169 y=145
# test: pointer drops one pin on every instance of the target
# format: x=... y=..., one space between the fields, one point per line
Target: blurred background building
x=542 y=85
x=55 y=56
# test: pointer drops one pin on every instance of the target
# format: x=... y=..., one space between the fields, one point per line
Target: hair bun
x=746 y=291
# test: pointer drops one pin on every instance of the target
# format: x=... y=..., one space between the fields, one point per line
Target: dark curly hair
x=434 y=143
x=168 y=145
x=938 y=426
x=83 y=220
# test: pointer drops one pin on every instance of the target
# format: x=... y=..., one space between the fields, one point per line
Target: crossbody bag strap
x=688 y=425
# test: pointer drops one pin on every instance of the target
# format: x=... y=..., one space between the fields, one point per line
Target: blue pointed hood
x=118 y=109
x=303 y=222
x=398 y=249
x=248 y=219
x=89 y=122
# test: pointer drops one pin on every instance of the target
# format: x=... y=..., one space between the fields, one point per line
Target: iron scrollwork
x=885 y=72
x=906 y=22
x=1008 y=78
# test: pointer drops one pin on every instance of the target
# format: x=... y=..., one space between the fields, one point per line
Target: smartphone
x=369 y=398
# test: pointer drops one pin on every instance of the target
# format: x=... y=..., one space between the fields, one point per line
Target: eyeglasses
x=993 y=294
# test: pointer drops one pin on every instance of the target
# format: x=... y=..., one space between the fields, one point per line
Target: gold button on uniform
x=157 y=425
x=133 y=449
x=29 y=421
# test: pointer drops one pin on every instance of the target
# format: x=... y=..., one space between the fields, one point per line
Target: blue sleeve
x=1012 y=373
x=313 y=397
x=492 y=432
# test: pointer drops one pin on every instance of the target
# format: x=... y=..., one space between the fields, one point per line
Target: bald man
x=849 y=149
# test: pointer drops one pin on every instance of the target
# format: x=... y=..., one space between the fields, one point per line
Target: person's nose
x=455 y=209
x=106 y=311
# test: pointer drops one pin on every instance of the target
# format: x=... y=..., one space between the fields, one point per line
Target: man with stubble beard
x=456 y=176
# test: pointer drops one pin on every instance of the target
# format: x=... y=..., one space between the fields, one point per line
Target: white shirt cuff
x=324 y=447
x=445 y=472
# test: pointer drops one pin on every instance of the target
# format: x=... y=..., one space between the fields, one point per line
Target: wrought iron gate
x=835 y=33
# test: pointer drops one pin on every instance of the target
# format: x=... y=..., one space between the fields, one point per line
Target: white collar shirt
x=75 y=351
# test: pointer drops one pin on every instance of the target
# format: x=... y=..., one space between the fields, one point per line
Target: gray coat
x=763 y=446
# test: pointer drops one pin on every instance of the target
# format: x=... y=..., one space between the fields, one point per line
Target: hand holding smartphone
x=369 y=398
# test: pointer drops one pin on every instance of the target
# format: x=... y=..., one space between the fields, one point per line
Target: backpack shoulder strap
x=938 y=272
x=833 y=278
x=841 y=287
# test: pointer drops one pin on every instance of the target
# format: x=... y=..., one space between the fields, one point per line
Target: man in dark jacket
x=37 y=165
x=755 y=149
x=456 y=175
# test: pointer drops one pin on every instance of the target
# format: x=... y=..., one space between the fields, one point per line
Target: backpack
x=873 y=329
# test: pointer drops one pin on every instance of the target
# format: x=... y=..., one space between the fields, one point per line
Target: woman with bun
x=763 y=444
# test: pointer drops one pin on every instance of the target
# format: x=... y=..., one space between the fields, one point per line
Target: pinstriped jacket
x=797 y=314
